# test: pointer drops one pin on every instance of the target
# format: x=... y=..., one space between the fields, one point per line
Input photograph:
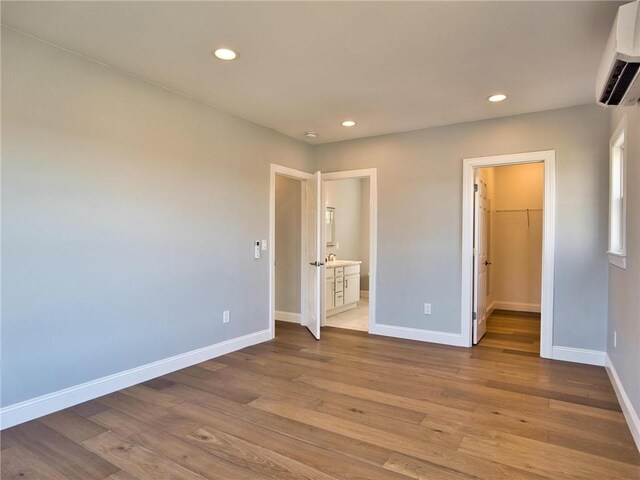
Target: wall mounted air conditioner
x=617 y=81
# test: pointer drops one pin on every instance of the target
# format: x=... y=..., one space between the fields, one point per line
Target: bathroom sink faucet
x=331 y=257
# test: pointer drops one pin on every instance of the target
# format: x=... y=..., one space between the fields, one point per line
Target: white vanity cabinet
x=352 y=288
x=342 y=286
x=328 y=289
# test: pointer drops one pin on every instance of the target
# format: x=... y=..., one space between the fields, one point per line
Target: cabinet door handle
x=346 y=283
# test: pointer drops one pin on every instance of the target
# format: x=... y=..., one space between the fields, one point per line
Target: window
x=617 y=198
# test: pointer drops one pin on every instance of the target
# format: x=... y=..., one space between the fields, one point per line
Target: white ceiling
x=391 y=66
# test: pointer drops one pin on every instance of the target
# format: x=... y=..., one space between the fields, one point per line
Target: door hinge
x=475 y=187
x=474 y=315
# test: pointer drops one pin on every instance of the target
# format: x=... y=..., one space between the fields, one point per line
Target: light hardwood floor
x=513 y=331
x=350 y=406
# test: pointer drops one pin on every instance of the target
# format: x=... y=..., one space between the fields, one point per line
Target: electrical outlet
x=225 y=316
x=615 y=339
x=427 y=309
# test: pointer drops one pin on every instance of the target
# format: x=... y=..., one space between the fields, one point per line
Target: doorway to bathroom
x=303 y=288
x=349 y=243
x=346 y=292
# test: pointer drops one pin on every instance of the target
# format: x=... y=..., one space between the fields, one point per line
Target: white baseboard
x=52 y=402
x=288 y=317
x=364 y=293
x=343 y=308
x=432 y=336
x=627 y=407
x=515 y=306
x=579 y=355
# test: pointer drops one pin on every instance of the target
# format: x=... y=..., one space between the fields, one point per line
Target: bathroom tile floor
x=354 y=319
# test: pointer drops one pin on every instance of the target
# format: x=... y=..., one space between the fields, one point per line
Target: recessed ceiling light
x=498 y=97
x=348 y=123
x=225 y=54
x=311 y=134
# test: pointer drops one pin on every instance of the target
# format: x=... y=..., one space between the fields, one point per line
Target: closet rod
x=527 y=210
x=521 y=210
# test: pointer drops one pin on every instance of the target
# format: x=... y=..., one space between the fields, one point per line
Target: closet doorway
x=507 y=292
x=507 y=268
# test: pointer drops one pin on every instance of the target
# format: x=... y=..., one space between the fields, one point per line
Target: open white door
x=313 y=253
x=480 y=260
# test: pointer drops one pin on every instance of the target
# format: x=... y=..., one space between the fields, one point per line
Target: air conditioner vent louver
x=622 y=76
x=618 y=78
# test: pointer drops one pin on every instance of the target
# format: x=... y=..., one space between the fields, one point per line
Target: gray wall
x=624 y=285
x=288 y=243
x=344 y=196
x=419 y=211
x=128 y=216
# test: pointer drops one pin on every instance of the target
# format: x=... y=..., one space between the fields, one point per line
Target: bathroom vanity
x=342 y=285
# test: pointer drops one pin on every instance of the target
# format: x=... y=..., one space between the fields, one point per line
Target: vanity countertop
x=342 y=263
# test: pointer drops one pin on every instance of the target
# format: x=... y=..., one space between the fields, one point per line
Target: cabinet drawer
x=338 y=284
x=329 y=272
x=339 y=271
x=351 y=269
x=339 y=301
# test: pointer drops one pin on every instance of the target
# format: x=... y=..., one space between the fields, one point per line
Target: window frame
x=617 y=153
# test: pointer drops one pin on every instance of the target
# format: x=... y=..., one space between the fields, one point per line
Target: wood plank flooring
x=351 y=406
x=516 y=331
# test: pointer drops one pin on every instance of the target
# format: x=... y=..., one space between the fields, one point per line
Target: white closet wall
x=516 y=194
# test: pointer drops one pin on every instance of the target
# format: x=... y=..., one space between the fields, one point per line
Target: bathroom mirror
x=330 y=220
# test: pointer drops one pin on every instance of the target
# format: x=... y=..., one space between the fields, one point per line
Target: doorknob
x=487 y=263
x=316 y=264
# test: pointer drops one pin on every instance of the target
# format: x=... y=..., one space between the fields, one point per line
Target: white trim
x=364 y=293
x=287 y=316
x=68 y=397
x=617 y=259
x=298 y=175
x=625 y=403
x=579 y=355
x=548 y=238
x=620 y=131
x=372 y=174
x=491 y=308
x=444 y=338
x=515 y=306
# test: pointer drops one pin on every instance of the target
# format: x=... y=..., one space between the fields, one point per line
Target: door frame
x=547 y=158
x=372 y=175
x=303 y=177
